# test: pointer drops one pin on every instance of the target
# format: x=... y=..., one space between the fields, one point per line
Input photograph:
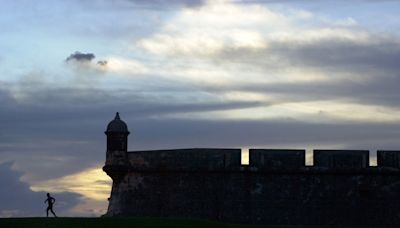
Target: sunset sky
x=185 y=73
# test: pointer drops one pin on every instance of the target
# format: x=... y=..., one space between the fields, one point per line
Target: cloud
x=17 y=199
x=92 y=183
x=161 y=4
x=77 y=124
x=332 y=54
x=80 y=57
x=85 y=58
x=274 y=55
x=253 y=27
x=360 y=72
x=124 y=66
x=102 y=63
x=83 y=63
x=214 y=27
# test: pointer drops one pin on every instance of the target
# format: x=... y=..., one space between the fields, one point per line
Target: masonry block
x=388 y=158
x=341 y=158
x=274 y=158
x=194 y=159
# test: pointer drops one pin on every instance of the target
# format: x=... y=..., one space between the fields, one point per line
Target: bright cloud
x=212 y=27
x=91 y=183
x=124 y=66
x=220 y=25
x=312 y=112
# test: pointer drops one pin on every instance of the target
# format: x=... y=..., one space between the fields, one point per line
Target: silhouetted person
x=50 y=201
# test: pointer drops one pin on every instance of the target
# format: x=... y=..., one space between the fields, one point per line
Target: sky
x=184 y=74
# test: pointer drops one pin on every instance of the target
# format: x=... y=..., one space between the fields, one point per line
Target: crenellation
x=190 y=159
x=390 y=159
x=341 y=158
x=277 y=158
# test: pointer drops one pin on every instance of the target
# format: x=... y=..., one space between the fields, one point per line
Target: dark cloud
x=70 y=123
x=83 y=64
x=366 y=72
x=381 y=90
x=331 y=55
x=61 y=131
x=102 y=63
x=268 y=133
x=17 y=199
x=342 y=56
x=80 y=57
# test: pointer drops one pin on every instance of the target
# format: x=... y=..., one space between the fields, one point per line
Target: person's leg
x=51 y=209
x=47 y=212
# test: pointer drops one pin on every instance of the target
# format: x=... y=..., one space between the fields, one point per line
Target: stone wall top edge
x=277 y=150
x=188 y=150
x=301 y=171
x=333 y=150
x=255 y=149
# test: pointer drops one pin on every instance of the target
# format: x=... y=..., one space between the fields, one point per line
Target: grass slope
x=113 y=223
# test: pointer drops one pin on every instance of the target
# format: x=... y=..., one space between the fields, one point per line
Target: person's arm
x=46 y=200
x=54 y=200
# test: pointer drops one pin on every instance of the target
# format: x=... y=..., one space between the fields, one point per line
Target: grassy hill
x=113 y=223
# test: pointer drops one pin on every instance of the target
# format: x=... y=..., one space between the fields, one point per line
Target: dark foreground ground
x=113 y=223
x=122 y=222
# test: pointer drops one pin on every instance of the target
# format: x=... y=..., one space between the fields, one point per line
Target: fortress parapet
x=276 y=188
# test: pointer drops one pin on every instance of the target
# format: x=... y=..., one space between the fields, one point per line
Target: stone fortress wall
x=275 y=188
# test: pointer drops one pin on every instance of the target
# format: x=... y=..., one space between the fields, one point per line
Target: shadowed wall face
x=186 y=159
x=276 y=187
x=282 y=159
x=341 y=158
x=388 y=158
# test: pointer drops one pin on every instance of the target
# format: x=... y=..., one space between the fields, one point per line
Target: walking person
x=50 y=202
